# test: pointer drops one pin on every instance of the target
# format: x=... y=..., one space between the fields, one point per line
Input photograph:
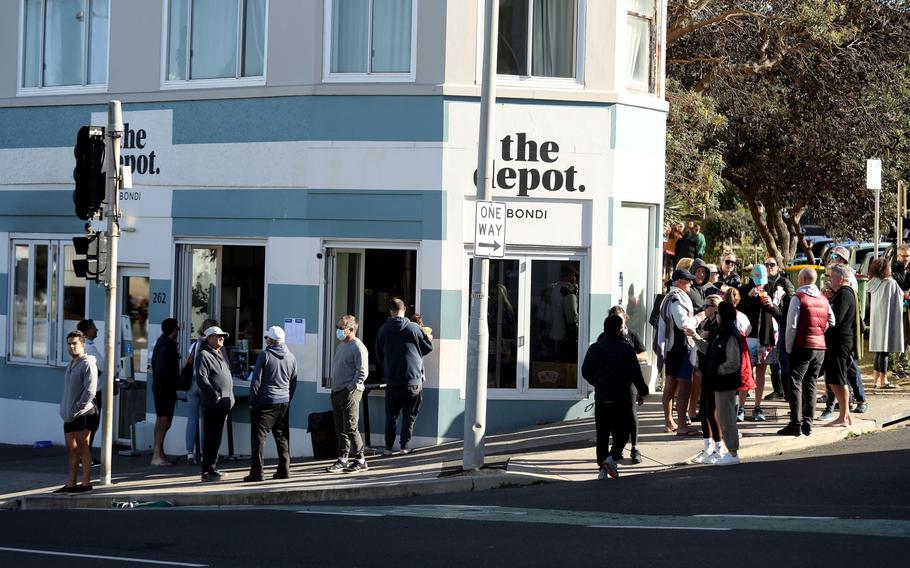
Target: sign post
x=874 y=181
x=475 y=403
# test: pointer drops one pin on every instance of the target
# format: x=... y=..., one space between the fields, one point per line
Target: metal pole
x=901 y=207
x=878 y=195
x=475 y=403
x=115 y=130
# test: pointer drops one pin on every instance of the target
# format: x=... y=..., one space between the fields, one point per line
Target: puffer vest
x=813 y=321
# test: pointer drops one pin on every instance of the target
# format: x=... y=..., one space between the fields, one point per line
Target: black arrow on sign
x=494 y=245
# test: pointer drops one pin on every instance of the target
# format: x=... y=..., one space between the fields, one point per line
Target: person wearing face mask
x=349 y=371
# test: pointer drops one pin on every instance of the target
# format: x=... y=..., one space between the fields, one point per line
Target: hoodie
x=698 y=292
x=612 y=368
x=793 y=314
x=274 y=377
x=213 y=377
x=400 y=347
x=79 y=385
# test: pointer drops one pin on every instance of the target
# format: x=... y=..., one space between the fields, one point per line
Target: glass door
x=635 y=233
x=344 y=295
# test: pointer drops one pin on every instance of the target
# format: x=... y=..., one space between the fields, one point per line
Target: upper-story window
x=642 y=41
x=370 y=39
x=538 y=38
x=215 y=39
x=64 y=43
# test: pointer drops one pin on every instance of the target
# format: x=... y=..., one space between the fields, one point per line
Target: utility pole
x=475 y=403
x=901 y=211
x=114 y=131
x=874 y=182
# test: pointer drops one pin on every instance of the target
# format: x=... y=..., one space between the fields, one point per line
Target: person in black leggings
x=707 y=406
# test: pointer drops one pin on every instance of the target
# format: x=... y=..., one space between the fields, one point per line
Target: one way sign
x=490 y=229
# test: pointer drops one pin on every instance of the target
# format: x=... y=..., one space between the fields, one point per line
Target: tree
x=809 y=89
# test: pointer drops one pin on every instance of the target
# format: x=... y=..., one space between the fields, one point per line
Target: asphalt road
x=846 y=504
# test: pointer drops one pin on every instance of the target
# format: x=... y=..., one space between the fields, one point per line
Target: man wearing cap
x=165 y=370
x=216 y=391
x=272 y=384
x=675 y=350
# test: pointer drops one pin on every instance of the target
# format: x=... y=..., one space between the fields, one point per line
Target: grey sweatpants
x=726 y=419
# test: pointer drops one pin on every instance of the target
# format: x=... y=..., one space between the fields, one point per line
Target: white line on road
x=96 y=556
x=342 y=513
x=659 y=528
x=768 y=517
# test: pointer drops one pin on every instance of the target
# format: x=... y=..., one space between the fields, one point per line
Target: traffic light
x=94 y=248
x=91 y=181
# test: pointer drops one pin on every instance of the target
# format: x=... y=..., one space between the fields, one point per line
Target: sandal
x=689 y=433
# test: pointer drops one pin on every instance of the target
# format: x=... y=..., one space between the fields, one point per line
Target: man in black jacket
x=840 y=340
x=611 y=367
x=216 y=392
x=165 y=370
x=400 y=347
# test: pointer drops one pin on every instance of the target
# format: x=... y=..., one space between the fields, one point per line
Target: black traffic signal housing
x=89 y=175
x=92 y=267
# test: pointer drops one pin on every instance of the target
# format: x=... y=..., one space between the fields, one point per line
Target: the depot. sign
x=530 y=166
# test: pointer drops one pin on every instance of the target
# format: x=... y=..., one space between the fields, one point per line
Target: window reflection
x=554 y=324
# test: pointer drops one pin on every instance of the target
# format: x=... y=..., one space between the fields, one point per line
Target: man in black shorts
x=165 y=370
x=78 y=412
x=840 y=339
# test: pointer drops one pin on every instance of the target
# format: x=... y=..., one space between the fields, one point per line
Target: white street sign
x=873 y=174
x=490 y=229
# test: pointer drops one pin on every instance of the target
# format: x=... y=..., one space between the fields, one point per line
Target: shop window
x=48 y=300
x=642 y=40
x=370 y=39
x=533 y=321
x=215 y=39
x=538 y=38
x=635 y=232
x=65 y=43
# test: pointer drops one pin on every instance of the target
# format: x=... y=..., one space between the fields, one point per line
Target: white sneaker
x=701 y=457
x=611 y=467
x=602 y=474
x=727 y=459
x=713 y=458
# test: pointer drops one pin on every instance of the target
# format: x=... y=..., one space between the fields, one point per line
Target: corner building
x=296 y=161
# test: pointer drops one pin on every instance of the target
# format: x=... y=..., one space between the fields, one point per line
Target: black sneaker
x=789 y=430
x=337 y=467
x=806 y=429
x=635 y=455
x=281 y=475
x=83 y=488
x=66 y=489
x=356 y=466
x=252 y=478
x=861 y=407
x=213 y=475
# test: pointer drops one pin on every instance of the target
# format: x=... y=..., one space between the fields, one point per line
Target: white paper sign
x=873 y=174
x=295 y=331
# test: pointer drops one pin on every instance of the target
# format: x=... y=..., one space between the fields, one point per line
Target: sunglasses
x=770 y=264
x=729 y=262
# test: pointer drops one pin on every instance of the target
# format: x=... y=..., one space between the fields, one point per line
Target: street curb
x=465 y=483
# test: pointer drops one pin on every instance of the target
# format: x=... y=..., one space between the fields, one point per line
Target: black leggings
x=708 y=406
x=881 y=362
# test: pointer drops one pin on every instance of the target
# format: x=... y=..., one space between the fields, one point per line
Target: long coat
x=886 y=334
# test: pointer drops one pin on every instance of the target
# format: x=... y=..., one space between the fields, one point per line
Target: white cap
x=215 y=330
x=275 y=333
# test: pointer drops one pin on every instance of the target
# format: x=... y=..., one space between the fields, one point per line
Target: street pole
x=901 y=208
x=475 y=403
x=115 y=130
x=874 y=182
x=878 y=197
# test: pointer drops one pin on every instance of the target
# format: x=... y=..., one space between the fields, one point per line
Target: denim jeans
x=193 y=416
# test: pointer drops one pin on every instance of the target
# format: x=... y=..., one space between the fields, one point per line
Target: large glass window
x=635 y=234
x=371 y=36
x=48 y=300
x=537 y=38
x=642 y=38
x=65 y=43
x=215 y=39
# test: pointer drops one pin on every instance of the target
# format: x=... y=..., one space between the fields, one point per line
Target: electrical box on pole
x=89 y=174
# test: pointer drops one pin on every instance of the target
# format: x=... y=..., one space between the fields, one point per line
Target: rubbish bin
x=793 y=274
x=321 y=427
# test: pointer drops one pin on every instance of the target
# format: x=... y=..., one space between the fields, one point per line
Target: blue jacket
x=400 y=347
x=274 y=377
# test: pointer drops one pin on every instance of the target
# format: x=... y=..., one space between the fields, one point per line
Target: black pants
x=880 y=362
x=611 y=419
x=401 y=400
x=805 y=366
x=708 y=407
x=264 y=419
x=214 y=418
x=633 y=426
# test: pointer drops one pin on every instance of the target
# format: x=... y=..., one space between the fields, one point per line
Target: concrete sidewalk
x=549 y=453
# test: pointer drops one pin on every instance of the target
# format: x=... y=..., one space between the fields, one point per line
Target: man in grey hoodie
x=400 y=348
x=272 y=385
x=349 y=370
x=78 y=412
x=216 y=390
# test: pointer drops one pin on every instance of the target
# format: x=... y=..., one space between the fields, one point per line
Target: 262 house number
x=159 y=297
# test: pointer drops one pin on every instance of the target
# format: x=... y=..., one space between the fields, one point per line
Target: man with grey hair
x=349 y=371
x=840 y=340
x=808 y=317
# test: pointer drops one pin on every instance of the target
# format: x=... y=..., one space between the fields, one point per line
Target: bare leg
x=72 y=454
x=683 y=388
x=667 y=403
x=759 y=384
x=844 y=418
x=162 y=425
x=84 y=452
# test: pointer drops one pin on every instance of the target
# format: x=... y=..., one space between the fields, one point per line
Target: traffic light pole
x=114 y=131
x=475 y=403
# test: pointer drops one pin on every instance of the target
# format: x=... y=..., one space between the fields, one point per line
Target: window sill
x=369 y=78
x=31 y=363
x=536 y=394
x=550 y=83
x=213 y=83
x=63 y=90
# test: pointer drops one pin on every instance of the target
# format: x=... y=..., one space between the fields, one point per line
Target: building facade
x=294 y=161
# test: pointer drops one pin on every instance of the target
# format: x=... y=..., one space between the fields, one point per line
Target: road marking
x=97 y=556
x=651 y=527
x=342 y=513
x=766 y=517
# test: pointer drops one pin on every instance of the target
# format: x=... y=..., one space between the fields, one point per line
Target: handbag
x=185 y=378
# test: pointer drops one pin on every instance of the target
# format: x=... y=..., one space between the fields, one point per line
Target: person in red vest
x=808 y=317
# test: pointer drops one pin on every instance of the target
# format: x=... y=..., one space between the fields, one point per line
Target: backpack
x=185 y=378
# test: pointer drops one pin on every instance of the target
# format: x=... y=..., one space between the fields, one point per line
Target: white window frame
x=522 y=390
x=532 y=81
x=329 y=77
x=652 y=87
x=85 y=87
x=56 y=355
x=220 y=83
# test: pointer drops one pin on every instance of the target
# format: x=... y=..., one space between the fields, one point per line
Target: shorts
x=165 y=403
x=835 y=367
x=84 y=422
x=678 y=365
x=770 y=359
